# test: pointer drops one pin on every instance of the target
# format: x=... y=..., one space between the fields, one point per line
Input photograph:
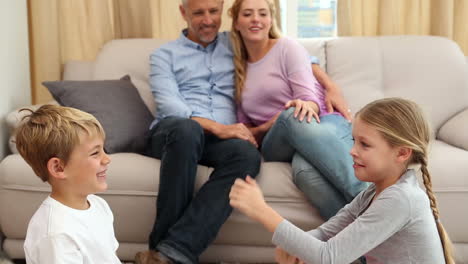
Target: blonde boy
x=64 y=147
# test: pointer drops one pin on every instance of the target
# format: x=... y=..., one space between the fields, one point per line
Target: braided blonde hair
x=238 y=47
x=402 y=123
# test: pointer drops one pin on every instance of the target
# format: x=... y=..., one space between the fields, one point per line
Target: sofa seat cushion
x=132 y=190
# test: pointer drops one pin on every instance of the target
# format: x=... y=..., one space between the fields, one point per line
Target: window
x=308 y=18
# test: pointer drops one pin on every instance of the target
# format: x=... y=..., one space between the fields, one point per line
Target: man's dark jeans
x=186 y=224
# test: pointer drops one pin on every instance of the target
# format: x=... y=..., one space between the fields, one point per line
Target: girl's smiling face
x=374 y=159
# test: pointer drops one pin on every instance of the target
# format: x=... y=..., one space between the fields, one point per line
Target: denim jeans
x=319 y=152
x=186 y=223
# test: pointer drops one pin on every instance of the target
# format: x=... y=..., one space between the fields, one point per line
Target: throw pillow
x=115 y=103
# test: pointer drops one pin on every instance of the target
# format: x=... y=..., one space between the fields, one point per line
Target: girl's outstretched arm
x=247 y=197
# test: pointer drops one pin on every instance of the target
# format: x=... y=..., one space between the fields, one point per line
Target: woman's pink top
x=283 y=74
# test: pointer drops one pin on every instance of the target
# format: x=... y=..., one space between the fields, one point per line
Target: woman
x=274 y=73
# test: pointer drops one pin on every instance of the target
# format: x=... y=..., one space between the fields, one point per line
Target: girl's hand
x=247 y=197
x=283 y=257
x=304 y=108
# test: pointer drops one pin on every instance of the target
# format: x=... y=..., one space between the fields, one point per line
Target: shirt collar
x=187 y=42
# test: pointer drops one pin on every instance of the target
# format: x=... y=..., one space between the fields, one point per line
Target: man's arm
x=222 y=131
x=333 y=98
x=165 y=89
x=169 y=101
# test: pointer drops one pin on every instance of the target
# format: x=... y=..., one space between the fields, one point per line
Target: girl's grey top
x=398 y=227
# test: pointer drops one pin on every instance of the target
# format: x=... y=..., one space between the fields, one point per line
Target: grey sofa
x=429 y=70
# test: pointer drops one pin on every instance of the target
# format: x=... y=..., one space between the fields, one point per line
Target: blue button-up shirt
x=189 y=80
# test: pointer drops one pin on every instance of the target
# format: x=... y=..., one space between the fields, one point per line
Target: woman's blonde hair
x=53 y=131
x=402 y=123
x=238 y=47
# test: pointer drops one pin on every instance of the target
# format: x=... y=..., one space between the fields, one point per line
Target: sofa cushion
x=315 y=47
x=119 y=57
x=428 y=70
x=115 y=103
x=451 y=132
x=13 y=121
x=448 y=167
x=133 y=182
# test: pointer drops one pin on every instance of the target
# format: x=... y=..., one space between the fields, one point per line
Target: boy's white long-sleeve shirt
x=60 y=234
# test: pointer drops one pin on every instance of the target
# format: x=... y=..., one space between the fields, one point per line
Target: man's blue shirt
x=189 y=80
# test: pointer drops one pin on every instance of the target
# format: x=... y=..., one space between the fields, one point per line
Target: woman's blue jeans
x=319 y=152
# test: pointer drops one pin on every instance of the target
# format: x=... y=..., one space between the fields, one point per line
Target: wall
x=15 y=82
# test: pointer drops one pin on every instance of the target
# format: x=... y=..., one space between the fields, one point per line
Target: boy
x=64 y=146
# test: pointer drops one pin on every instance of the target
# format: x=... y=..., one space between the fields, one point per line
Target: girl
x=274 y=73
x=392 y=221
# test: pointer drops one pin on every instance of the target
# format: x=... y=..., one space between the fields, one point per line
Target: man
x=192 y=82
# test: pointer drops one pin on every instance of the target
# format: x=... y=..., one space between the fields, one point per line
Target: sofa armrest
x=13 y=120
x=454 y=131
x=78 y=70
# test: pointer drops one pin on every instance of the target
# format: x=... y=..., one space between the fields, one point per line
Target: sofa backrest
x=131 y=56
x=429 y=70
x=128 y=56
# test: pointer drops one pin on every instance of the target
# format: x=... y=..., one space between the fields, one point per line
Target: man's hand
x=238 y=130
x=304 y=108
x=283 y=257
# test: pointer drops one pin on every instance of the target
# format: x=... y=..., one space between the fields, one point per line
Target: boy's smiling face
x=87 y=166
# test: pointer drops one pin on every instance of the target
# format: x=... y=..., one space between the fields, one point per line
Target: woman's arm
x=260 y=131
x=333 y=96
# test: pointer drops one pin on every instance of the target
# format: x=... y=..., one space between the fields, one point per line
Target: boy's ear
x=56 y=168
x=404 y=154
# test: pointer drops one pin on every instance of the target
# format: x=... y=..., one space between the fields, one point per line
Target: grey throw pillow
x=115 y=103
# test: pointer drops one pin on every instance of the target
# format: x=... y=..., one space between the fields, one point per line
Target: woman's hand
x=335 y=100
x=333 y=97
x=259 y=132
x=303 y=109
x=283 y=257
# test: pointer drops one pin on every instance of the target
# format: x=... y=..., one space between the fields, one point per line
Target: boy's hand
x=247 y=197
